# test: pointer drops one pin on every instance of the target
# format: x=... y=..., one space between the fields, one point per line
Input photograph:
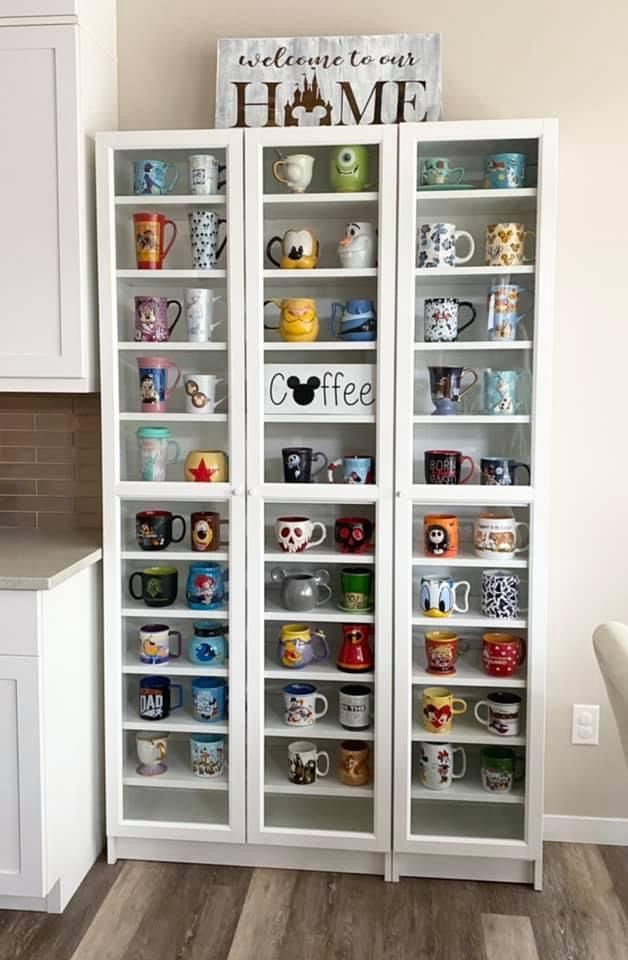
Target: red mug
x=355 y=654
x=353 y=534
x=442 y=649
x=150 y=229
x=502 y=653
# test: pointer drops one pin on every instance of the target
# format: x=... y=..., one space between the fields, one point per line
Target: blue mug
x=149 y=177
x=354 y=469
x=500 y=392
x=355 y=320
x=208 y=699
x=208 y=646
x=207 y=752
x=206 y=586
x=503 y=171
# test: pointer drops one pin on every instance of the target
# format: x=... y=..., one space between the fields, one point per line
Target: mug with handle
x=299 y=702
x=436 y=246
x=304 y=762
x=503 y=711
x=436 y=765
x=439 y=708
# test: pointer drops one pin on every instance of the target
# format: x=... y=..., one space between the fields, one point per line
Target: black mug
x=159 y=586
x=155 y=698
x=500 y=471
x=445 y=466
x=297 y=464
x=153 y=529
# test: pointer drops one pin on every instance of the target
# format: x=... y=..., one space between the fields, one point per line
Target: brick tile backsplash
x=50 y=461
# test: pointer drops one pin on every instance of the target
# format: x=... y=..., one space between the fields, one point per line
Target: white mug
x=200 y=392
x=199 y=313
x=355 y=706
x=436 y=245
x=151 y=752
x=497 y=536
x=204 y=231
x=503 y=713
x=436 y=765
x=357 y=248
x=299 y=705
x=303 y=760
x=297 y=169
x=505 y=244
x=204 y=171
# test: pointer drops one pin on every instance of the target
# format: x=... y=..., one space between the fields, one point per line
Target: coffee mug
x=442 y=649
x=304 y=762
x=208 y=699
x=357 y=249
x=355 y=469
x=153 y=529
x=204 y=174
x=205 y=531
x=438 y=595
x=294 y=534
x=441 y=319
x=353 y=769
x=505 y=245
x=205 y=588
x=155 y=698
x=204 y=228
x=445 y=466
x=152 y=749
x=440 y=535
x=207 y=755
x=298 y=319
x=299 y=704
x=158 y=586
x=503 y=171
x=206 y=466
x=302 y=591
x=500 y=594
x=502 y=713
x=349 y=168
x=150 y=177
x=496 y=536
x=502 y=653
x=199 y=313
x=436 y=170
x=150 y=247
x=355 y=706
x=294 y=171
x=439 y=709
x=436 y=246
x=157 y=641
x=503 y=298
x=356 y=589
x=355 y=320
x=500 y=471
x=500 y=392
x=208 y=645
x=447 y=390
x=200 y=392
x=355 y=654
x=297 y=464
x=155 y=390
x=499 y=768
x=151 y=319
x=436 y=765
x=299 y=250
x=353 y=534
x=299 y=645
x=156 y=450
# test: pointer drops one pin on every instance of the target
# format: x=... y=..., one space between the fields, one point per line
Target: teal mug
x=150 y=177
x=436 y=171
x=501 y=389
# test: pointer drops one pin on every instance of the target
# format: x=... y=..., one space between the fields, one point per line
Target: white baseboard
x=585 y=829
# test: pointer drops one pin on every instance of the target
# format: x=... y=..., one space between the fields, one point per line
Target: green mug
x=349 y=168
x=356 y=587
x=500 y=767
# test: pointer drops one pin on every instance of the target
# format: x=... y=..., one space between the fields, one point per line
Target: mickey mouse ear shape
x=312 y=382
x=293 y=382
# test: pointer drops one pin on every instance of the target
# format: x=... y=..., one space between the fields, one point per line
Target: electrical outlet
x=585 y=724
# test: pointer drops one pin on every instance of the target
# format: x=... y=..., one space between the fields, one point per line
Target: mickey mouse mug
x=439 y=707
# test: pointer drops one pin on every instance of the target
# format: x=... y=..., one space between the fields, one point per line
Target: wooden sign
x=328 y=81
x=315 y=389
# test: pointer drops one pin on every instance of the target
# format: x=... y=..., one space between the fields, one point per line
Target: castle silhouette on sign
x=309 y=100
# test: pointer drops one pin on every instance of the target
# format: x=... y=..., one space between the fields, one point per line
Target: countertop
x=32 y=560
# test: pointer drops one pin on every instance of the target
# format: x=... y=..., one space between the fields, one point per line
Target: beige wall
x=544 y=58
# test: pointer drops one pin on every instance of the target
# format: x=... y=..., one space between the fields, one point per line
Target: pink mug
x=154 y=387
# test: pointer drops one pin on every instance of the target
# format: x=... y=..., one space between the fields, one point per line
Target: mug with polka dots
x=502 y=653
x=204 y=226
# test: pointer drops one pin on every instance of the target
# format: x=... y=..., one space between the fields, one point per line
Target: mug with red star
x=206 y=466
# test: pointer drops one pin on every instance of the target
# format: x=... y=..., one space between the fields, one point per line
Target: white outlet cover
x=585 y=724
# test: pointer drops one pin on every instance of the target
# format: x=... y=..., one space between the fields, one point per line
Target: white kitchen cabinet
x=63 y=87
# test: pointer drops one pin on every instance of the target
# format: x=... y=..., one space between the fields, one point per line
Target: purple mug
x=151 y=319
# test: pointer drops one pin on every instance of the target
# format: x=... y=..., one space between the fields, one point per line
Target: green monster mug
x=349 y=168
x=356 y=587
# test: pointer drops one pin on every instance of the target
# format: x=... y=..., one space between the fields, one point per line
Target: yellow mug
x=206 y=466
x=439 y=709
x=298 y=319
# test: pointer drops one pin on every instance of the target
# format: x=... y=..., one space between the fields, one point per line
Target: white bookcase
x=465 y=831
x=158 y=816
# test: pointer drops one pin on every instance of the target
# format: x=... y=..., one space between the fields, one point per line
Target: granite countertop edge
x=32 y=561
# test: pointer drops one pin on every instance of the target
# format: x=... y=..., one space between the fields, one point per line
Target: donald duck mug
x=438 y=596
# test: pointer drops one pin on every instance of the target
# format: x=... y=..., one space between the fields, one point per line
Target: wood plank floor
x=153 y=911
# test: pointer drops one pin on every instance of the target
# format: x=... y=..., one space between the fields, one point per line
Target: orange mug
x=440 y=535
x=150 y=231
x=442 y=649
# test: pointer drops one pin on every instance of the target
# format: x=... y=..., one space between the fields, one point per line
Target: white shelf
x=137 y=608
x=427 y=273
x=150 y=277
x=473 y=494
x=469 y=620
x=319 y=492
x=465 y=345
x=449 y=827
x=276 y=781
x=316 y=418
x=170 y=200
x=172 y=554
x=317 y=555
x=331 y=345
x=172 y=346
x=469 y=673
x=179 y=667
x=468 y=560
x=478 y=201
x=319 y=274
x=468 y=790
x=179 y=721
x=320 y=206
x=178 y=776
x=468 y=418
x=173 y=490
x=465 y=729
x=327 y=728
x=174 y=417
x=327 y=671
x=326 y=613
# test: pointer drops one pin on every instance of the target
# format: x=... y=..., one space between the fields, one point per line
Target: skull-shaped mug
x=353 y=534
x=294 y=534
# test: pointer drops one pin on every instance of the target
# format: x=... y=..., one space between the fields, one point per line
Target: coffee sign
x=318 y=388
x=328 y=81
